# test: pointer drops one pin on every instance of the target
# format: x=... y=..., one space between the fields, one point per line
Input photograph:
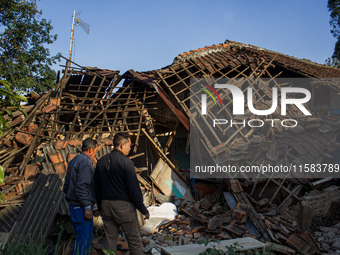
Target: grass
x=28 y=247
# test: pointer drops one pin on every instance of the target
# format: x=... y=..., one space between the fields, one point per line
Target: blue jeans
x=83 y=230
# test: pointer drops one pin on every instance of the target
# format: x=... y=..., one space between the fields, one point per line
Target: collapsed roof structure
x=154 y=108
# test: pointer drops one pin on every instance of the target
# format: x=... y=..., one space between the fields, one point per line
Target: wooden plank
x=94 y=102
x=144 y=182
x=164 y=156
x=169 y=182
x=255 y=218
x=286 y=202
x=76 y=117
x=100 y=113
x=246 y=243
x=290 y=192
x=27 y=109
x=141 y=107
x=32 y=147
x=9 y=159
x=168 y=143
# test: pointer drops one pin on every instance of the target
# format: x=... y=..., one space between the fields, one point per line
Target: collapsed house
x=154 y=108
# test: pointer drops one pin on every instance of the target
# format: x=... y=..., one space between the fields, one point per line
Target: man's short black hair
x=88 y=143
x=120 y=138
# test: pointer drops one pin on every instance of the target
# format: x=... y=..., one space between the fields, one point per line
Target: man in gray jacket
x=79 y=191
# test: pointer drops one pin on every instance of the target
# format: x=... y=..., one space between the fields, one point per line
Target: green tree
x=25 y=60
x=9 y=100
x=334 y=8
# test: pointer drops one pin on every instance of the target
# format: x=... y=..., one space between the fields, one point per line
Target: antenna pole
x=72 y=34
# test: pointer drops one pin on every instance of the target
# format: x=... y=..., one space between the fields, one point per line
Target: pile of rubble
x=154 y=108
x=223 y=218
x=329 y=239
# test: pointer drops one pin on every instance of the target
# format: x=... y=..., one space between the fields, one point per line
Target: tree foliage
x=9 y=101
x=334 y=8
x=25 y=60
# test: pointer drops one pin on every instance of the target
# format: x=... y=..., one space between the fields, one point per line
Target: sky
x=147 y=35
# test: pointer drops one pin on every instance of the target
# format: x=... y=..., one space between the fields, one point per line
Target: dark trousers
x=116 y=213
x=83 y=230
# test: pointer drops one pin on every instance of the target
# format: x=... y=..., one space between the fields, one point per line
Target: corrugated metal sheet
x=39 y=210
x=8 y=216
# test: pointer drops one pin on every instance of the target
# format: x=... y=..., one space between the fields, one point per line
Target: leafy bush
x=214 y=243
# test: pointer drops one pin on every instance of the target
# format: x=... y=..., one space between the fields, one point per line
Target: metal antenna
x=84 y=25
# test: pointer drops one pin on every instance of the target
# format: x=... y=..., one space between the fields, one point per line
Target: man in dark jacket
x=79 y=191
x=118 y=195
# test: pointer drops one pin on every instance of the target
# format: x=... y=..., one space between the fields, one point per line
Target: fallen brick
x=181 y=232
x=214 y=223
x=197 y=229
x=240 y=216
x=49 y=108
x=299 y=244
x=226 y=219
x=172 y=230
x=59 y=168
x=107 y=141
x=224 y=235
x=55 y=101
x=54 y=158
x=32 y=128
x=243 y=207
x=235 y=186
x=60 y=144
x=234 y=229
x=309 y=239
x=75 y=142
x=191 y=212
x=30 y=171
x=23 y=138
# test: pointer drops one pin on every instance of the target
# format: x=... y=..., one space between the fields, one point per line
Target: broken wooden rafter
x=164 y=156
